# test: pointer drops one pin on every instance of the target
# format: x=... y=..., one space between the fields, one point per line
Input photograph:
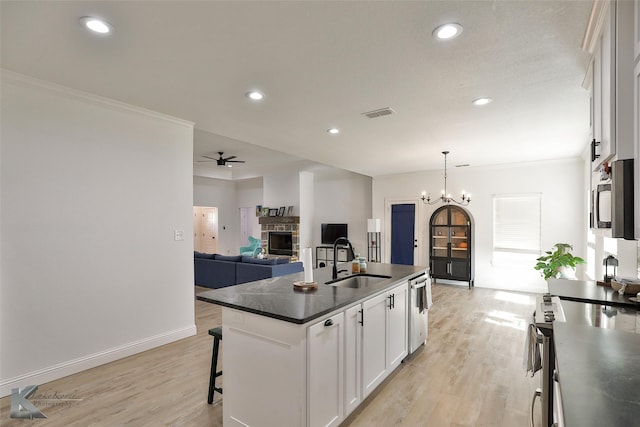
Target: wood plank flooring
x=469 y=375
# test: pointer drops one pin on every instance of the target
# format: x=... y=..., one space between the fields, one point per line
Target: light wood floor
x=469 y=374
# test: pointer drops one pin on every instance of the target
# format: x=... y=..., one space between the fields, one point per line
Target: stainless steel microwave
x=602 y=206
x=612 y=204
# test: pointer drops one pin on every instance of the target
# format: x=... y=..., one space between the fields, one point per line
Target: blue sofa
x=218 y=271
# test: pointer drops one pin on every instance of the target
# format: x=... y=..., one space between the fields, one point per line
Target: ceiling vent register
x=379 y=113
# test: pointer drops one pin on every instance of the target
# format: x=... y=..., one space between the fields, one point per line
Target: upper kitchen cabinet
x=636 y=114
x=637 y=29
x=610 y=39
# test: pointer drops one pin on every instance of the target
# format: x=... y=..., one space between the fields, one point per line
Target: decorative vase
x=566 y=272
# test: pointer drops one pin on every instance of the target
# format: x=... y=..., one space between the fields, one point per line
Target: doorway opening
x=403 y=233
x=205 y=229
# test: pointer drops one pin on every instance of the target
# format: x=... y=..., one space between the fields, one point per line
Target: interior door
x=403 y=241
x=246 y=227
x=205 y=229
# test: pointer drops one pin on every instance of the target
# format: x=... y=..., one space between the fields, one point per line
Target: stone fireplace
x=281 y=224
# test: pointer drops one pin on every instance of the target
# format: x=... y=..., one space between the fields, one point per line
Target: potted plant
x=558 y=262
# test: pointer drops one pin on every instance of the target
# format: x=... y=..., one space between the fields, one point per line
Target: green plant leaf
x=561 y=256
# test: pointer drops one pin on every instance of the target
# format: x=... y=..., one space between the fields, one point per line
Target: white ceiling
x=321 y=64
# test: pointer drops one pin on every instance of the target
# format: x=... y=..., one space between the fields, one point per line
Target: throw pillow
x=250 y=260
x=197 y=254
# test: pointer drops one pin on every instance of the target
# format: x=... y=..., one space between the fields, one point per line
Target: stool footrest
x=216 y=333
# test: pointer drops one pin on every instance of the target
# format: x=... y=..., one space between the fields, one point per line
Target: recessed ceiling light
x=447 y=31
x=254 y=95
x=481 y=101
x=333 y=131
x=96 y=25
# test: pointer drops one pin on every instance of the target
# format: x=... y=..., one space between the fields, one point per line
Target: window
x=516 y=228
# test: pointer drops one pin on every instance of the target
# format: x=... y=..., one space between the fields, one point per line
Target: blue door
x=403 y=219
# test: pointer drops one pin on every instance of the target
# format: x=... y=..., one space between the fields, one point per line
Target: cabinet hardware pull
x=328 y=322
x=594 y=144
x=393 y=300
x=390 y=304
x=361 y=316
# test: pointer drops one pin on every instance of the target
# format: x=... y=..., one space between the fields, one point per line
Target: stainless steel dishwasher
x=419 y=300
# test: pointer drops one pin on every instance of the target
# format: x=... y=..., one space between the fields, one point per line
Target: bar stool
x=216 y=333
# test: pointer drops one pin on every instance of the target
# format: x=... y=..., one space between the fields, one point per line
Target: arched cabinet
x=450 y=236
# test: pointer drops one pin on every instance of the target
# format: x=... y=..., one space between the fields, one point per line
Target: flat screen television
x=330 y=232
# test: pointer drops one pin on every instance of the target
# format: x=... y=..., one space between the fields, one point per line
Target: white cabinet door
x=636 y=115
x=326 y=370
x=352 y=359
x=608 y=70
x=612 y=76
x=636 y=14
x=596 y=95
x=623 y=60
x=397 y=333
x=374 y=364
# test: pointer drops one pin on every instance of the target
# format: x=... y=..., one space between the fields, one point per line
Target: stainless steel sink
x=358 y=280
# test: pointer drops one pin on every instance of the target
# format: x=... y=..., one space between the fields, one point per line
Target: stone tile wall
x=291 y=224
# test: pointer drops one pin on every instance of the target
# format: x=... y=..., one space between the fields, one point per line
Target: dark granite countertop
x=599 y=375
x=276 y=297
x=588 y=291
x=601 y=316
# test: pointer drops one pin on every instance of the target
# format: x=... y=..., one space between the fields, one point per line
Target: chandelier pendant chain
x=445 y=197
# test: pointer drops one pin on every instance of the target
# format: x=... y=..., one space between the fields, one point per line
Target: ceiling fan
x=222 y=161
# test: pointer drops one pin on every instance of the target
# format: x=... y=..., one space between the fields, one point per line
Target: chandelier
x=444 y=196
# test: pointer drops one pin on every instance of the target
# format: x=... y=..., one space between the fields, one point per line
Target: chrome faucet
x=335 y=255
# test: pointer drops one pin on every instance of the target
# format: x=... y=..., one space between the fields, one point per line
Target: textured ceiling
x=321 y=64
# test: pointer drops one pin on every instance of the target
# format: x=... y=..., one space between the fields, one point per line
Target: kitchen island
x=597 y=351
x=307 y=358
x=590 y=292
x=599 y=375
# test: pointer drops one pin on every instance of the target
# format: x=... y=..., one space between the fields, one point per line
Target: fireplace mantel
x=265 y=220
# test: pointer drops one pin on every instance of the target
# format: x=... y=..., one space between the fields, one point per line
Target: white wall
x=563 y=213
x=599 y=242
x=92 y=191
x=249 y=195
x=307 y=210
x=342 y=197
x=281 y=189
x=220 y=193
x=337 y=196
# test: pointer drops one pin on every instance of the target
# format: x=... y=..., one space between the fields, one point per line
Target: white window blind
x=517 y=223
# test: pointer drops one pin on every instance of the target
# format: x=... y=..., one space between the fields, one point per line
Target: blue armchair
x=254 y=248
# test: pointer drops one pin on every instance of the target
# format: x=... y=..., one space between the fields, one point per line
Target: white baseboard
x=70 y=367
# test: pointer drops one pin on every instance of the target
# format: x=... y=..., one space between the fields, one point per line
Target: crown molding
x=595 y=24
x=14 y=78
